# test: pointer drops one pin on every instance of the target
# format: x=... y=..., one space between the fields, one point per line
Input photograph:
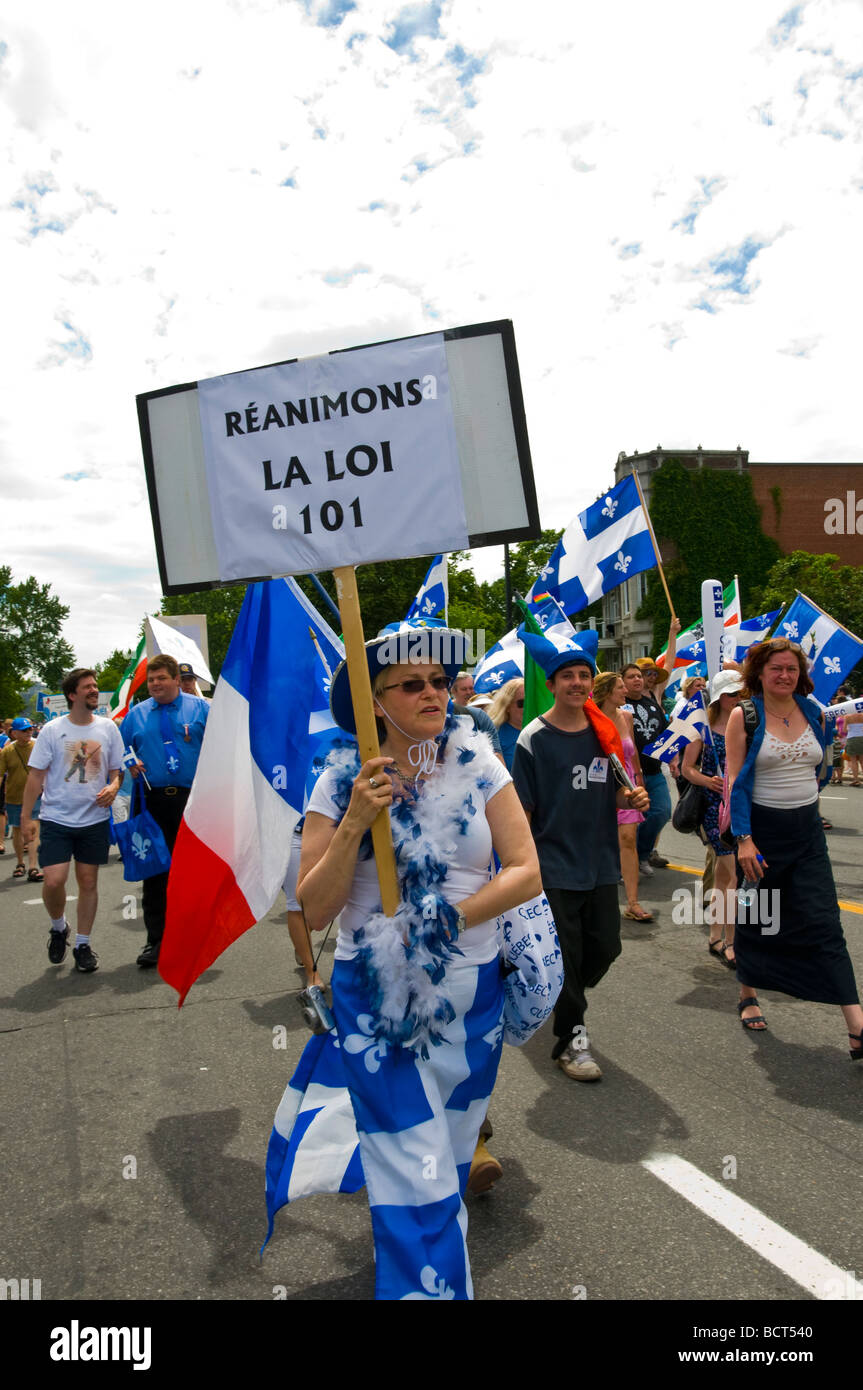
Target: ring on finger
x=372 y=782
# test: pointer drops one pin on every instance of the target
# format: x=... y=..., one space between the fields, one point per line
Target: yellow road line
x=699 y=873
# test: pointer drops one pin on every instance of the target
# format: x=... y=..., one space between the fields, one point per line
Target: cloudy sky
x=665 y=199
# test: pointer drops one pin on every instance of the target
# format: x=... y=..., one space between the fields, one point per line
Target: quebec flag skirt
x=360 y=1109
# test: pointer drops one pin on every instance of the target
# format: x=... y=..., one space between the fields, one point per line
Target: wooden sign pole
x=367 y=733
x=655 y=546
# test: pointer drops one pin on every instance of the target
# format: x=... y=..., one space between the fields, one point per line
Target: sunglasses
x=416 y=685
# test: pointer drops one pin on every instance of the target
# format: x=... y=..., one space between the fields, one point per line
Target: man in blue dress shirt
x=165 y=734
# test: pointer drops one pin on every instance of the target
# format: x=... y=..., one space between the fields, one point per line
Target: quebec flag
x=503 y=662
x=832 y=651
x=268 y=722
x=694 y=652
x=313 y=1145
x=685 y=727
x=432 y=596
x=604 y=545
x=671 y=690
x=736 y=641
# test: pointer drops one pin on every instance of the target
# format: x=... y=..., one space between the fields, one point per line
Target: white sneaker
x=645 y=868
x=578 y=1063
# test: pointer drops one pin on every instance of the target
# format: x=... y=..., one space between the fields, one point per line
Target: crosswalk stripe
x=813 y=1272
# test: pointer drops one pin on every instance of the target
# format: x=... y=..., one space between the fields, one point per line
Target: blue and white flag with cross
x=606 y=544
x=831 y=650
x=433 y=593
x=685 y=727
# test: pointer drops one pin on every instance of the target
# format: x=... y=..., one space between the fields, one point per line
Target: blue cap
x=22 y=723
x=551 y=651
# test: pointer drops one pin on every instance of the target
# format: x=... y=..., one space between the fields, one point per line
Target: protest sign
x=410 y=447
x=183 y=637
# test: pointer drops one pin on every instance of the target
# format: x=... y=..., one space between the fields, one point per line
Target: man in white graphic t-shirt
x=76 y=767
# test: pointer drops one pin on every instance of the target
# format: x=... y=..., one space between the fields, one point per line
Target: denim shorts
x=13 y=811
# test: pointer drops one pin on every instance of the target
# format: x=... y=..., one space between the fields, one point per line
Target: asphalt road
x=134 y=1134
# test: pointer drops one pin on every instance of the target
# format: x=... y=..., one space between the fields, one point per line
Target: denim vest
x=741 y=792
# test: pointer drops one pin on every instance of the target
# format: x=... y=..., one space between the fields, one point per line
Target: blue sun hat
x=551 y=651
x=418 y=642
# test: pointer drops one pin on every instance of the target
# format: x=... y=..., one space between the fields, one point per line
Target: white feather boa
x=404 y=957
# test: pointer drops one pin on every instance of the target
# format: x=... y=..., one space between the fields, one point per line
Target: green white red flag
x=133 y=678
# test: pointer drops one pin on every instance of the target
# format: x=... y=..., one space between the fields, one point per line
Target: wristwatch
x=461 y=922
x=740 y=838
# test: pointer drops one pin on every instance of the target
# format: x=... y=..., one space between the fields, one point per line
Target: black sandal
x=716 y=950
x=751 y=1023
x=855 y=1053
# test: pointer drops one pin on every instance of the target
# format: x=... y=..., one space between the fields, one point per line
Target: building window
x=613 y=612
x=624 y=589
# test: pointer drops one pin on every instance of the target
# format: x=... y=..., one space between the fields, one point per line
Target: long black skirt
x=789 y=937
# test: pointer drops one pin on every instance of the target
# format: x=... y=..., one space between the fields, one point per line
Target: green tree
x=222 y=607
x=110 y=672
x=708 y=525
x=838 y=589
x=30 y=642
x=386 y=591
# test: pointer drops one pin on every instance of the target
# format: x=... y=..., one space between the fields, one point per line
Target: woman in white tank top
x=790 y=937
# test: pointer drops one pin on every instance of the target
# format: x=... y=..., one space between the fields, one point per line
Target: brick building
x=812 y=506
x=804 y=506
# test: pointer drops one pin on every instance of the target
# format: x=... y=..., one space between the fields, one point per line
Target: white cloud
x=234 y=181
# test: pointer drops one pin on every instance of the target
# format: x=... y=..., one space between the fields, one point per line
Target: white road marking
x=813 y=1272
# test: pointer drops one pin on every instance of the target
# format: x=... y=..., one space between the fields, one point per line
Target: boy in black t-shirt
x=563 y=776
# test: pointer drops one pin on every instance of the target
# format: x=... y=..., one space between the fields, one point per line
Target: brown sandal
x=640 y=916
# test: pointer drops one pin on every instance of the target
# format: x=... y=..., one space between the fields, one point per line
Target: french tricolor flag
x=267 y=722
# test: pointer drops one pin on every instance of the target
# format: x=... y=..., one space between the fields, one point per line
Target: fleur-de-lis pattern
x=622 y=562
x=140 y=846
x=365 y=1041
x=435 y=1286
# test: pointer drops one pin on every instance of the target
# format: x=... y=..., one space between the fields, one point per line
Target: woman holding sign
x=417 y=998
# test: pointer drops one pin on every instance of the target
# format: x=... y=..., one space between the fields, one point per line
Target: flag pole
x=653 y=540
x=367 y=734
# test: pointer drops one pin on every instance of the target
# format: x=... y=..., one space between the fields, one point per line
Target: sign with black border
x=409 y=446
